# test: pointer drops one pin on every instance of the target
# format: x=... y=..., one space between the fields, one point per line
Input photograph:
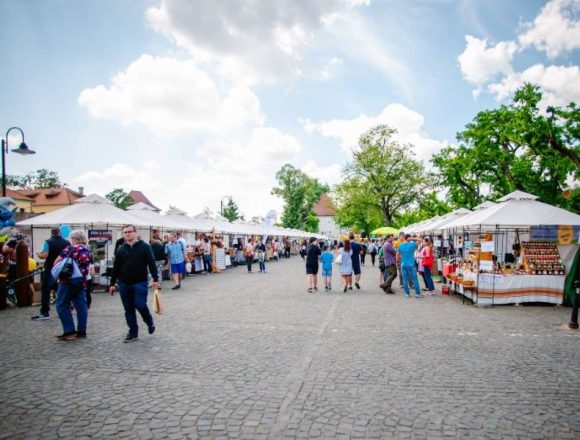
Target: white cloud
x=249 y=187
x=555 y=29
x=251 y=41
x=266 y=147
x=560 y=85
x=408 y=123
x=479 y=63
x=170 y=97
x=330 y=174
x=118 y=176
x=247 y=184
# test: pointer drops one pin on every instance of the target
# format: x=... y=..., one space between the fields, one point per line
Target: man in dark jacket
x=50 y=250
x=130 y=270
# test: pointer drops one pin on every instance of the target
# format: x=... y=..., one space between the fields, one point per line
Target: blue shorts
x=327 y=272
x=178 y=268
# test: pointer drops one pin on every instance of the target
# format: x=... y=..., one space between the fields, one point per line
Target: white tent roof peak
x=461 y=211
x=175 y=211
x=484 y=205
x=518 y=195
x=94 y=198
x=140 y=206
x=203 y=215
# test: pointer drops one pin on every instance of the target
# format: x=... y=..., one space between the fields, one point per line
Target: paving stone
x=243 y=356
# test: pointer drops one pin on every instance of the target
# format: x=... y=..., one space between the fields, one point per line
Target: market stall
x=518 y=250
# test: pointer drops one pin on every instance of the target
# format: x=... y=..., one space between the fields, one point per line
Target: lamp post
x=229 y=199
x=22 y=149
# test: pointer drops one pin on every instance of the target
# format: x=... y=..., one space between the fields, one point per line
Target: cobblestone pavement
x=253 y=356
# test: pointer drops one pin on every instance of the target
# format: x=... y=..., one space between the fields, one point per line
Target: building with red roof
x=325 y=211
x=139 y=197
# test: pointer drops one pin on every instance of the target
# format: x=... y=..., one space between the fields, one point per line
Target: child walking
x=327 y=258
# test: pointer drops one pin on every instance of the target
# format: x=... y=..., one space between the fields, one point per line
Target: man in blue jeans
x=406 y=251
x=130 y=268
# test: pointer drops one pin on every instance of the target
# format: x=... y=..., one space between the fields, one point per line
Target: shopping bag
x=157 y=303
x=339 y=259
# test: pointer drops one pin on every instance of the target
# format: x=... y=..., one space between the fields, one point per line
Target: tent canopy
x=519 y=209
x=90 y=209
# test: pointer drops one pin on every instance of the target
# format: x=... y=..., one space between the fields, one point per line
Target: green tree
x=299 y=192
x=358 y=210
x=231 y=211
x=514 y=147
x=429 y=206
x=41 y=179
x=46 y=179
x=383 y=177
x=120 y=198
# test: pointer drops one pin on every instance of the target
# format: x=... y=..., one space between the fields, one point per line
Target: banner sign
x=101 y=235
x=562 y=234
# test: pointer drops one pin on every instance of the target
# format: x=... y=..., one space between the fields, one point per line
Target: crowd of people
x=403 y=258
x=139 y=265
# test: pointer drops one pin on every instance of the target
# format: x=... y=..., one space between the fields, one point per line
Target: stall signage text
x=101 y=235
x=563 y=234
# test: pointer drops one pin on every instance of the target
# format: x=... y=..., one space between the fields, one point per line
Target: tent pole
x=476 y=290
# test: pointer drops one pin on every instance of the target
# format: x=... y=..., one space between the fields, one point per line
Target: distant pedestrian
x=396 y=244
x=427 y=260
x=357 y=250
x=130 y=271
x=206 y=245
x=406 y=250
x=372 y=250
x=183 y=241
x=175 y=251
x=249 y=254
x=312 y=255
x=345 y=265
x=261 y=254
x=158 y=249
x=327 y=259
x=73 y=290
x=390 y=263
x=51 y=249
x=381 y=267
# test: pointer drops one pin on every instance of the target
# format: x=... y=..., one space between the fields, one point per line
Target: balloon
x=64 y=231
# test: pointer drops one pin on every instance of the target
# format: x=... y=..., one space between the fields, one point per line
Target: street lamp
x=22 y=149
x=229 y=199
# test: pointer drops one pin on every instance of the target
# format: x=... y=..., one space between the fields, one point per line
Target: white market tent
x=92 y=209
x=439 y=223
x=152 y=217
x=518 y=209
x=467 y=218
x=90 y=212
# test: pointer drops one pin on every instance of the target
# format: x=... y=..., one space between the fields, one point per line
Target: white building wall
x=328 y=227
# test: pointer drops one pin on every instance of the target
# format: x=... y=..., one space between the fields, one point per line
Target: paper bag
x=157 y=303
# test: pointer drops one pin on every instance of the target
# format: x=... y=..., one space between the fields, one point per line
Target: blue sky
x=190 y=101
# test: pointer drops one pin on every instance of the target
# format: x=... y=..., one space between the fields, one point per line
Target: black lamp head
x=23 y=149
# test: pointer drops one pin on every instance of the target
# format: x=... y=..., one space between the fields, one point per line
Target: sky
x=190 y=101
